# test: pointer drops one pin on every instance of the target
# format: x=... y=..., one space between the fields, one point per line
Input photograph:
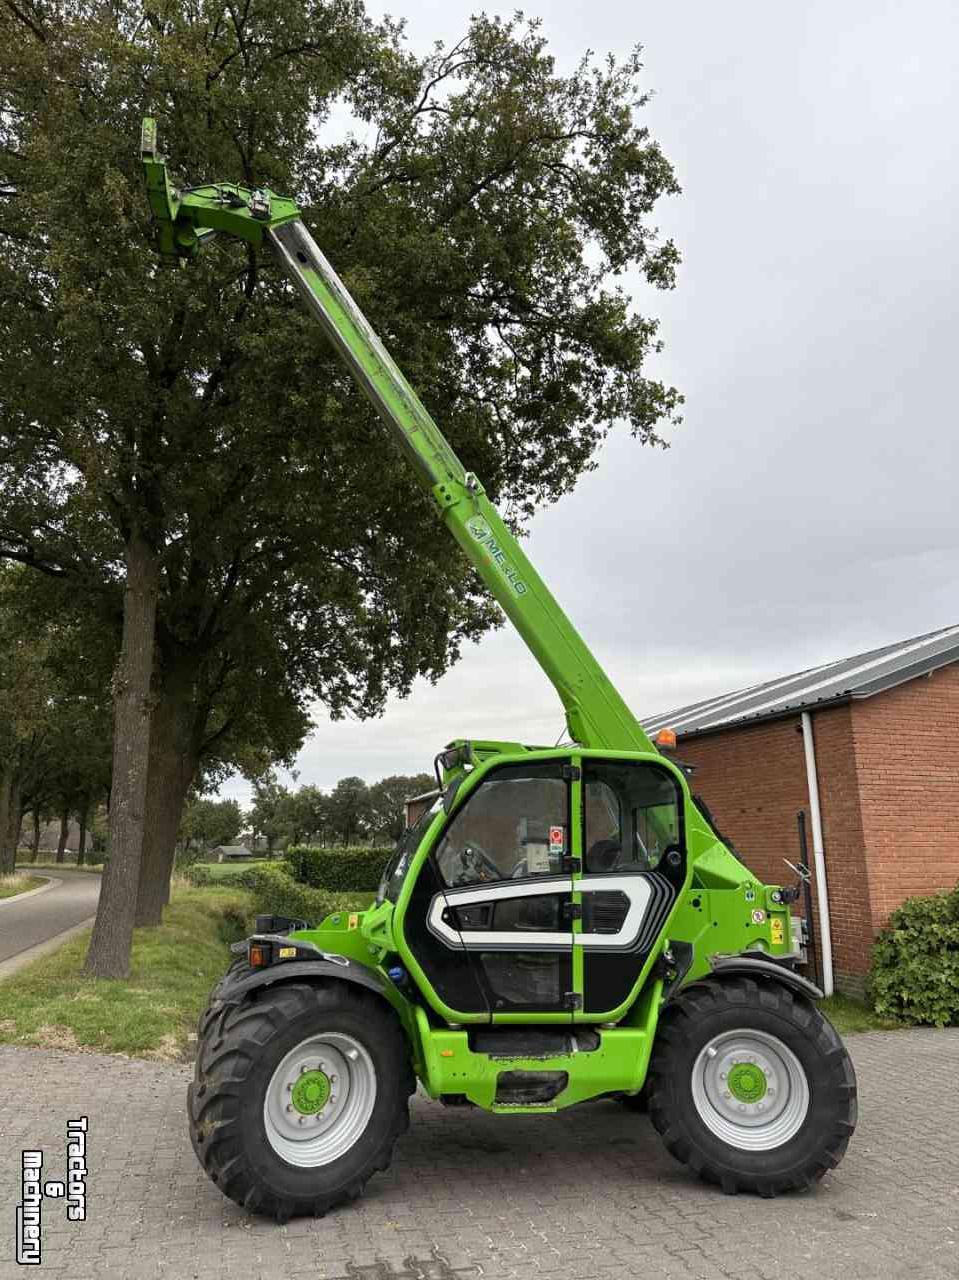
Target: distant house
x=416 y=806
x=231 y=853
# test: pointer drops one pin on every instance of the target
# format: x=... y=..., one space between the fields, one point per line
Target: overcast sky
x=807 y=508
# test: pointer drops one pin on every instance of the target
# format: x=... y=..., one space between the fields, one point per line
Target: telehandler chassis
x=561 y=925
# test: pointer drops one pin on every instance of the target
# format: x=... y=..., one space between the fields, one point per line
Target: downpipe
x=819 y=858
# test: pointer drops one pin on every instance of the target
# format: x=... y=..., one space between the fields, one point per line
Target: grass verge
x=848 y=1015
x=225 y=872
x=19 y=882
x=151 y=1013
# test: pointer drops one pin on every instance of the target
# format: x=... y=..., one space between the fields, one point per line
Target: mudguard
x=236 y=984
x=755 y=967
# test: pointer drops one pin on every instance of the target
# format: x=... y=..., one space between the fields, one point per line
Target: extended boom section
x=596 y=714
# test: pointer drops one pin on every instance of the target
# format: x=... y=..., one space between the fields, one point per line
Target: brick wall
x=754 y=780
x=888 y=771
x=907 y=758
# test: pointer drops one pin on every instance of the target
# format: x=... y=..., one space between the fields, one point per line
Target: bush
x=915 y=964
x=275 y=892
x=184 y=858
x=341 y=868
x=199 y=875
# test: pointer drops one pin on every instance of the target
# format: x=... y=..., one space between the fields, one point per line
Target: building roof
x=860 y=676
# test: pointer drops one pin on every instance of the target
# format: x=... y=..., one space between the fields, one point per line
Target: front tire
x=751 y=1087
x=299 y=1096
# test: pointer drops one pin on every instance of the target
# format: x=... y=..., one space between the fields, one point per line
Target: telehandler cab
x=562 y=924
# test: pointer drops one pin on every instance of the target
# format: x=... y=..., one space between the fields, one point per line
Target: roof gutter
x=819 y=858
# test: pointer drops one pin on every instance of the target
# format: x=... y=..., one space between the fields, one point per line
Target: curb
x=52 y=883
x=22 y=958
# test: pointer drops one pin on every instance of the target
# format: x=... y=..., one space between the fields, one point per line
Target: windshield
x=398 y=865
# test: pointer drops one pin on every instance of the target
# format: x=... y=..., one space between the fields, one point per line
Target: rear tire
x=751 y=1087
x=284 y=1153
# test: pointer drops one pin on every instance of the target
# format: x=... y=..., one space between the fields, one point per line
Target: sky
x=807 y=507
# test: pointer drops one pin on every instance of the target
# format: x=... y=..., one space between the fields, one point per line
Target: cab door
x=633 y=867
x=504 y=864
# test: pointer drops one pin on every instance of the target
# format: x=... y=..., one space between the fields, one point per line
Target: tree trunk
x=84 y=811
x=109 y=953
x=35 y=842
x=172 y=766
x=64 y=832
x=9 y=813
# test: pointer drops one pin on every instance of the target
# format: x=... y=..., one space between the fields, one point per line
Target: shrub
x=184 y=858
x=341 y=868
x=275 y=892
x=200 y=875
x=915 y=964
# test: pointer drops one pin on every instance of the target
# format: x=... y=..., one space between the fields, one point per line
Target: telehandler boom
x=562 y=924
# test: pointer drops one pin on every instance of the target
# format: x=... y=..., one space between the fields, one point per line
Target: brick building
x=868 y=748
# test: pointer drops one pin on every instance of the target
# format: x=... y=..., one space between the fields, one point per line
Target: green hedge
x=204 y=874
x=340 y=868
x=274 y=892
x=915 y=962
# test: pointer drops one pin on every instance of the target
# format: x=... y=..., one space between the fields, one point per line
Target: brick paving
x=590 y=1194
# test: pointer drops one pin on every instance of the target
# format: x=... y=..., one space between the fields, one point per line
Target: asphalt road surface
x=587 y=1195
x=36 y=919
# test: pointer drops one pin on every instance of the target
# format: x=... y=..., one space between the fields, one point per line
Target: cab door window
x=633 y=816
x=512 y=828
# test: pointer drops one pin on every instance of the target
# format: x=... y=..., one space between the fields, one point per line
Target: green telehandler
x=561 y=924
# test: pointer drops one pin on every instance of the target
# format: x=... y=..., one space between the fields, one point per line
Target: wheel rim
x=750 y=1090
x=319 y=1100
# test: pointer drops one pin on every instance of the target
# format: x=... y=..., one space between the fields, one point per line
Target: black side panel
x=609 y=979
x=526 y=981
x=451 y=973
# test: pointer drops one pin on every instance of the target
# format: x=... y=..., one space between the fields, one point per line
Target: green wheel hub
x=311 y=1092
x=747 y=1082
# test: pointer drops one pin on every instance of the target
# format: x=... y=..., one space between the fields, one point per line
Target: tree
x=267 y=815
x=387 y=802
x=305 y=815
x=182 y=446
x=54 y=724
x=24 y=712
x=209 y=823
x=350 y=811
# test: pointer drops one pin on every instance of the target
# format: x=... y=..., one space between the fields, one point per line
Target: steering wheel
x=471 y=865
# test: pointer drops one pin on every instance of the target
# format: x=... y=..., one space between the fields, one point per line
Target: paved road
x=41 y=916
x=588 y=1196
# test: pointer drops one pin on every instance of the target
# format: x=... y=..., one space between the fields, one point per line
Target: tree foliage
x=207 y=823
x=54 y=706
x=194 y=423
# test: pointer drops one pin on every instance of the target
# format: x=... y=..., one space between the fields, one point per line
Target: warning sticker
x=759 y=916
x=354 y=919
x=557 y=839
x=776 y=931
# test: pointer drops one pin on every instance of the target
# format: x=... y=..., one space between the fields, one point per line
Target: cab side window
x=504 y=830
x=632 y=813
